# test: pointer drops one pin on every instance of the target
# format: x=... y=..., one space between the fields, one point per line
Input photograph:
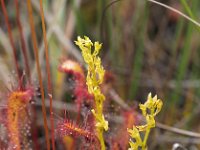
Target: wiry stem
x=24 y=50
x=145 y=139
x=176 y=11
x=191 y=18
x=35 y=46
x=48 y=74
x=101 y=138
x=11 y=39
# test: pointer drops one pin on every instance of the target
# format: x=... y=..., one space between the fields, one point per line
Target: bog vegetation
x=85 y=74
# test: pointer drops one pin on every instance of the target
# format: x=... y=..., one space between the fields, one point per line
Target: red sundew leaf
x=17 y=114
x=70 y=66
x=69 y=128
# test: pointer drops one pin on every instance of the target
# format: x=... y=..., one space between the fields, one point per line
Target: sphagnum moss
x=95 y=77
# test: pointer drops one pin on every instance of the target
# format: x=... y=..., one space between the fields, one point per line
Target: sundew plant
x=85 y=74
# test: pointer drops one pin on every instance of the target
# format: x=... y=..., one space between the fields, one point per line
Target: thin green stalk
x=80 y=23
x=137 y=66
x=101 y=139
x=189 y=11
x=187 y=8
x=184 y=60
x=176 y=11
x=182 y=69
x=175 y=45
x=100 y=6
x=109 y=30
x=145 y=139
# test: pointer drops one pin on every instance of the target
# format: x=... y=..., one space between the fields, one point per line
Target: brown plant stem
x=24 y=50
x=35 y=46
x=11 y=39
x=48 y=74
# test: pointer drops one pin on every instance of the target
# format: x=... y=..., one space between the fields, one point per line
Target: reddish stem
x=35 y=46
x=48 y=74
x=24 y=51
x=11 y=38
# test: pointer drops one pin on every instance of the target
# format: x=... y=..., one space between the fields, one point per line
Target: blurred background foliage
x=146 y=48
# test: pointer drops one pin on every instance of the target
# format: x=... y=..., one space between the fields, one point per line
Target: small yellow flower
x=154 y=105
x=101 y=122
x=95 y=69
x=150 y=123
x=94 y=78
x=149 y=110
x=134 y=133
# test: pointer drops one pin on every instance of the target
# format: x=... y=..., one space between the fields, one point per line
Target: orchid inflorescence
x=149 y=109
x=95 y=77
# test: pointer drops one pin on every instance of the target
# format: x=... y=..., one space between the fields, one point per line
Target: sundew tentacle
x=69 y=128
